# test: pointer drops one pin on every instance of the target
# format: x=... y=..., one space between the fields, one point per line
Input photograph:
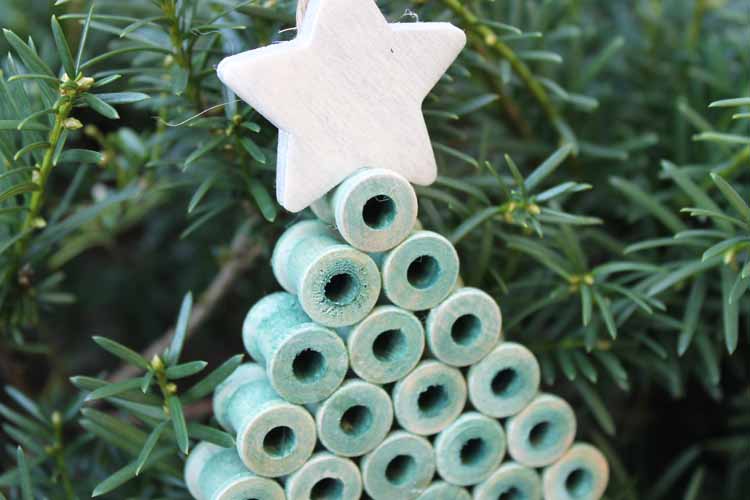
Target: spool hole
x=356 y=420
x=328 y=488
x=379 y=212
x=423 y=272
x=341 y=289
x=511 y=493
x=433 y=400
x=540 y=435
x=466 y=329
x=308 y=366
x=473 y=451
x=400 y=469
x=502 y=381
x=279 y=442
x=579 y=483
x=389 y=346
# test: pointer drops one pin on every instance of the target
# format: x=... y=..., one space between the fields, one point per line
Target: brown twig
x=244 y=251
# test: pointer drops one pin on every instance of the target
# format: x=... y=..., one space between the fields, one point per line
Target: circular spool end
x=401 y=467
x=285 y=245
x=386 y=345
x=340 y=287
x=430 y=398
x=470 y=449
x=440 y=490
x=374 y=209
x=308 y=365
x=541 y=432
x=505 y=381
x=512 y=481
x=195 y=463
x=420 y=272
x=464 y=327
x=325 y=476
x=244 y=374
x=582 y=473
x=278 y=441
x=355 y=419
x=250 y=487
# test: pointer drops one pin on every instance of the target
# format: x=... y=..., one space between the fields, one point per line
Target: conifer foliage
x=594 y=165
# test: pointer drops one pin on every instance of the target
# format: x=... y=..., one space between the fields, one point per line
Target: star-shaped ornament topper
x=346 y=94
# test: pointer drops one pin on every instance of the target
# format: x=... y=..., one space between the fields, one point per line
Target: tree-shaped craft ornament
x=375 y=372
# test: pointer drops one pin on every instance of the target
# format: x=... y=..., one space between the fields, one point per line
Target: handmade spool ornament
x=512 y=481
x=274 y=437
x=420 y=272
x=215 y=473
x=336 y=284
x=325 y=476
x=430 y=398
x=505 y=381
x=541 y=433
x=470 y=449
x=386 y=345
x=402 y=467
x=440 y=490
x=304 y=362
x=373 y=210
x=355 y=419
x=582 y=473
x=464 y=327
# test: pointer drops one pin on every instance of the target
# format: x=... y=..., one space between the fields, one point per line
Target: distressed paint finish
x=325 y=476
x=464 y=327
x=374 y=210
x=505 y=381
x=355 y=419
x=346 y=93
x=430 y=398
x=400 y=468
x=513 y=480
x=386 y=345
x=470 y=449
x=542 y=432
x=581 y=474
x=440 y=490
x=420 y=272
x=336 y=284
x=215 y=473
x=274 y=437
x=305 y=362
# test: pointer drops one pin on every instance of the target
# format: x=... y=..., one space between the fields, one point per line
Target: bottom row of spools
x=277 y=440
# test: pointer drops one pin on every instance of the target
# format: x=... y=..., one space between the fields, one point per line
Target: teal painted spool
x=400 y=468
x=511 y=481
x=430 y=398
x=581 y=474
x=440 y=490
x=386 y=345
x=374 y=210
x=355 y=419
x=215 y=473
x=305 y=362
x=335 y=284
x=325 y=477
x=505 y=381
x=420 y=272
x=464 y=327
x=470 y=449
x=541 y=432
x=274 y=437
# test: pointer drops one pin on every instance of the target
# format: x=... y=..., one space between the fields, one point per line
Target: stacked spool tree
x=375 y=372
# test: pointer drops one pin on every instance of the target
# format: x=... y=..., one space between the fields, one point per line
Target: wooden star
x=346 y=93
